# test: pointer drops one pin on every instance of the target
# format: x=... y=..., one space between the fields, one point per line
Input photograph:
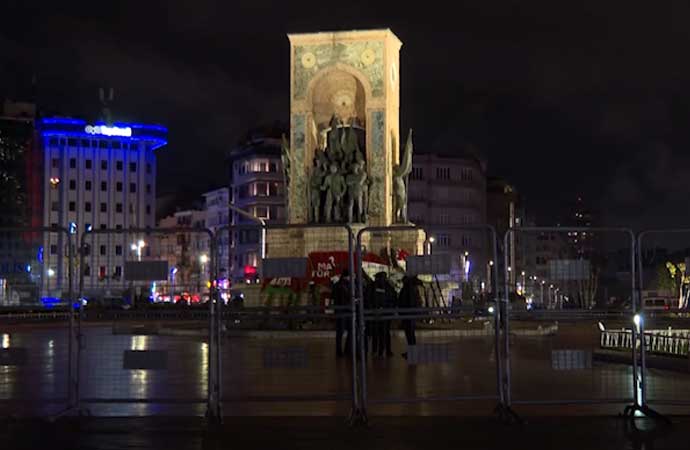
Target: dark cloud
x=564 y=98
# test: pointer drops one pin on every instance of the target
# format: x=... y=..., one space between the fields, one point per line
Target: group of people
x=381 y=303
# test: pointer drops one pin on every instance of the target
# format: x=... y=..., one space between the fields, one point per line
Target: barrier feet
x=643 y=411
x=214 y=418
x=506 y=415
x=358 y=418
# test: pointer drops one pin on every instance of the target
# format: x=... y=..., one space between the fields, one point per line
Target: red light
x=249 y=271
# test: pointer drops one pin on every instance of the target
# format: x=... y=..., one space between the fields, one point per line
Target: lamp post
x=489 y=269
x=203 y=259
x=173 y=271
x=431 y=241
x=136 y=247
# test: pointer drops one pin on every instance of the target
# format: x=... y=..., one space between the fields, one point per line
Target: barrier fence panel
x=664 y=282
x=36 y=321
x=571 y=294
x=431 y=320
x=284 y=307
x=145 y=320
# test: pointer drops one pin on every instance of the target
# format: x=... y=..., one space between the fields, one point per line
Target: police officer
x=380 y=295
x=342 y=299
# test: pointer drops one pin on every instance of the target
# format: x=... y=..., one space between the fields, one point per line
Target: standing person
x=381 y=295
x=342 y=299
x=409 y=298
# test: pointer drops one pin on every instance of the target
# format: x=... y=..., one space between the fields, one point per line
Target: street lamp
x=431 y=241
x=203 y=259
x=173 y=271
x=136 y=247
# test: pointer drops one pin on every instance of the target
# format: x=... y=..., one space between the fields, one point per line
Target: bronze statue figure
x=334 y=185
x=400 y=174
x=334 y=149
x=315 y=183
x=356 y=184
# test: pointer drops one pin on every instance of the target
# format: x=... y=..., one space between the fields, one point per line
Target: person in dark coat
x=380 y=294
x=342 y=299
x=409 y=298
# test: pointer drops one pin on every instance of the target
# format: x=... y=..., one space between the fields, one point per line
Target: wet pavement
x=301 y=376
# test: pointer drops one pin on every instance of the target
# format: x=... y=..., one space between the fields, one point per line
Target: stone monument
x=344 y=160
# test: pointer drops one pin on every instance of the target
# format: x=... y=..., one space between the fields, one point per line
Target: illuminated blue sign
x=108 y=131
x=154 y=136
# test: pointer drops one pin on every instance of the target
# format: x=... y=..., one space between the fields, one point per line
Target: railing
x=655 y=342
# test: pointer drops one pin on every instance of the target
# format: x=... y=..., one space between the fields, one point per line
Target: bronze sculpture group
x=339 y=184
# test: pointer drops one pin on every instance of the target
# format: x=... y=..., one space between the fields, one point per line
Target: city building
x=20 y=203
x=187 y=251
x=505 y=210
x=96 y=176
x=257 y=188
x=447 y=190
x=217 y=220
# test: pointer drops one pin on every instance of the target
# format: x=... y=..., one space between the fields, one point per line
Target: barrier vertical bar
x=506 y=320
x=497 y=319
x=213 y=291
x=361 y=335
x=70 y=276
x=353 y=325
x=211 y=411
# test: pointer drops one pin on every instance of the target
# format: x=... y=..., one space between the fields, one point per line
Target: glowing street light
x=136 y=247
x=54 y=182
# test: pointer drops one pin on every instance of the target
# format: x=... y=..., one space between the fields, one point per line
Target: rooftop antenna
x=106 y=101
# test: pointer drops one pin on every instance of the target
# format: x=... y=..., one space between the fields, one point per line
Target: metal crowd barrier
x=132 y=369
x=565 y=362
x=248 y=372
x=37 y=364
x=662 y=394
x=428 y=359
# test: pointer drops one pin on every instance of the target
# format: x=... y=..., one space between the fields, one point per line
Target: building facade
x=187 y=251
x=217 y=220
x=257 y=187
x=96 y=177
x=20 y=204
x=449 y=190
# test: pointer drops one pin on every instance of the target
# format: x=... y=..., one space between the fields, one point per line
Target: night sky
x=591 y=98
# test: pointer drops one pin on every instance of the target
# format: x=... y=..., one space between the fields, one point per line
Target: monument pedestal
x=285 y=243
